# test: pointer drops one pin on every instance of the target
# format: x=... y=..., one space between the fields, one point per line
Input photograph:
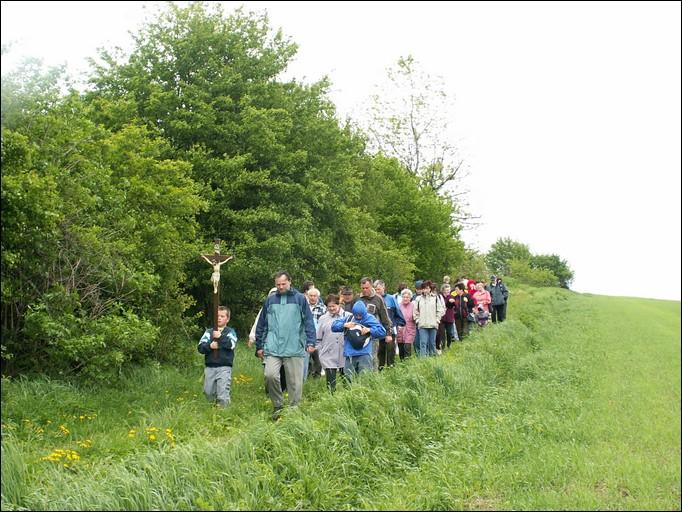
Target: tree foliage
x=415 y=220
x=522 y=271
x=509 y=257
x=409 y=120
x=97 y=227
x=552 y=262
x=110 y=196
x=502 y=252
x=473 y=266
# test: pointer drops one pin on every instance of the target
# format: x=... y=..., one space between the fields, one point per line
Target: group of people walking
x=297 y=334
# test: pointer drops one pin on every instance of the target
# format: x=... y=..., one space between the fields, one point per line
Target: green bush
x=66 y=342
x=522 y=271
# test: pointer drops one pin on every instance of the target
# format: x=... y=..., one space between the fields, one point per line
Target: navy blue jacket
x=226 y=344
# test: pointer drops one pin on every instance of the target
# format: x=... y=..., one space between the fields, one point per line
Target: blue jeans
x=427 y=342
x=450 y=333
x=356 y=365
x=306 y=362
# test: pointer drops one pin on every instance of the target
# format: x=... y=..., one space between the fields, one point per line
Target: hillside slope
x=574 y=403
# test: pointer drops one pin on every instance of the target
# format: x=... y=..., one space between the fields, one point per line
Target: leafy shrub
x=523 y=272
x=63 y=341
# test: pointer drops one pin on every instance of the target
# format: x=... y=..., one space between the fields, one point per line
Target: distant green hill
x=573 y=403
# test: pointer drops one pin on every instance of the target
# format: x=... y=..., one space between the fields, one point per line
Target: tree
x=556 y=265
x=97 y=227
x=281 y=177
x=473 y=266
x=522 y=271
x=408 y=120
x=417 y=221
x=502 y=252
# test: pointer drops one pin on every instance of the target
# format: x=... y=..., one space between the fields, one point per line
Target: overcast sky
x=567 y=115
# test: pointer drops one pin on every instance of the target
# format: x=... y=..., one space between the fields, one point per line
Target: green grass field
x=573 y=403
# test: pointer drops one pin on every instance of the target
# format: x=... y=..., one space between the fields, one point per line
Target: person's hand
x=310 y=349
x=364 y=330
x=389 y=339
x=216 y=334
x=214 y=345
x=251 y=342
x=259 y=353
x=349 y=325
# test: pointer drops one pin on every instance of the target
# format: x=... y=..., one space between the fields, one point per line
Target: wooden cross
x=216 y=260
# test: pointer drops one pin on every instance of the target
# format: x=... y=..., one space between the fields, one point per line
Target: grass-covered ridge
x=574 y=403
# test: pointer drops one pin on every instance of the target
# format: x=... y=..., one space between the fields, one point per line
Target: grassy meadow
x=573 y=403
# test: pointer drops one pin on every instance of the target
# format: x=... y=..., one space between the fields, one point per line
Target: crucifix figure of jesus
x=215 y=277
x=216 y=260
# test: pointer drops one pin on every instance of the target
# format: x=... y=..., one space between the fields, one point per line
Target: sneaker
x=277 y=413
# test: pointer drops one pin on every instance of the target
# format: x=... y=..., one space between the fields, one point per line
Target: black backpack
x=356 y=339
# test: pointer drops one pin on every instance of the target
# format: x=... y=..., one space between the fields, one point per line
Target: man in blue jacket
x=284 y=333
x=359 y=328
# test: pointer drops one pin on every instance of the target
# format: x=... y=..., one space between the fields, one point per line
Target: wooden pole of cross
x=216 y=260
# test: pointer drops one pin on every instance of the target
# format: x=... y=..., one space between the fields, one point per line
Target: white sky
x=566 y=114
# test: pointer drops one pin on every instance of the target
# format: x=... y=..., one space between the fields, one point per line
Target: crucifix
x=216 y=260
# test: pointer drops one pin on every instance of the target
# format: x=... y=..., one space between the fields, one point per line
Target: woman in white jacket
x=428 y=310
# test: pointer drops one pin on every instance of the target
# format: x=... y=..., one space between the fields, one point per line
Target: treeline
x=511 y=258
x=109 y=196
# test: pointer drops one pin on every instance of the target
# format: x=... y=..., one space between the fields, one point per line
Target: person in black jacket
x=218 y=358
x=463 y=305
x=499 y=295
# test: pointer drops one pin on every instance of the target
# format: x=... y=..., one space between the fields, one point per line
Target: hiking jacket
x=394 y=313
x=449 y=316
x=464 y=304
x=498 y=293
x=483 y=298
x=330 y=344
x=407 y=333
x=226 y=343
x=362 y=317
x=285 y=326
x=428 y=309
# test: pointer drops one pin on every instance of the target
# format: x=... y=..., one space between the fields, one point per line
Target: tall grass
x=571 y=404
